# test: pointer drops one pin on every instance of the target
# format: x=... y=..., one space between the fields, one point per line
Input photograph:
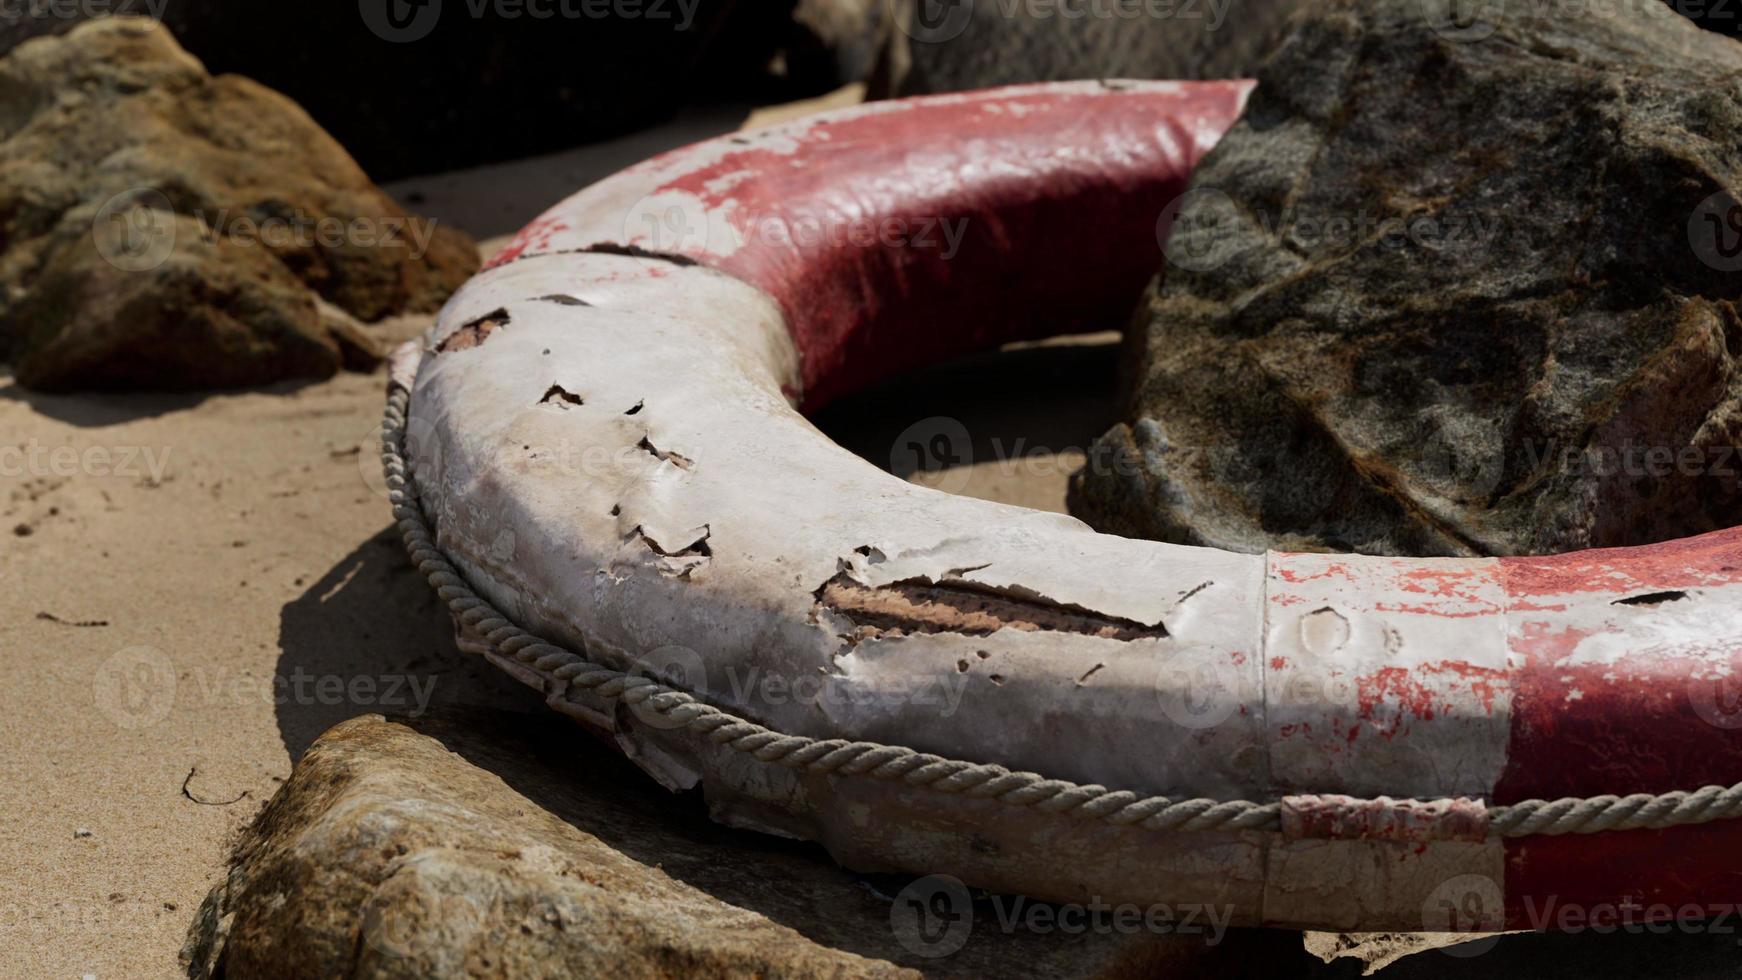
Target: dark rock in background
x=967 y=44
x=420 y=86
x=164 y=228
x=838 y=42
x=1450 y=287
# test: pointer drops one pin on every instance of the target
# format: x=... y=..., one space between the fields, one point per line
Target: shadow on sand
x=371 y=637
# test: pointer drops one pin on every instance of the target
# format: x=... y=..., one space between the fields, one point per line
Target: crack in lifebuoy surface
x=918 y=606
x=474 y=334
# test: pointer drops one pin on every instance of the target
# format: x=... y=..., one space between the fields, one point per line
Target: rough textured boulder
x=966 y=44
x=421 y=86
x=488 y=846
x=1450 y=287
x=166 y=228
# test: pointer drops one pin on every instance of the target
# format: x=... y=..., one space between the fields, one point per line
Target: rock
x=1449 y=287
x=165 y=228
x=486 y=845
x=839 y=42
x=415 y=87
x=966 y=44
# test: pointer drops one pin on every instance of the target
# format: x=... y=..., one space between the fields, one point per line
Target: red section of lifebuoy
x=899 y=238
x=1056 y=218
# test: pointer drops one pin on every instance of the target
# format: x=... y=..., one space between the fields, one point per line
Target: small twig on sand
x=80 y=623
x=189 y=794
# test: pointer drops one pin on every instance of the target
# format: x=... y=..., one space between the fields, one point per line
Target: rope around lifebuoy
x=1527 y=818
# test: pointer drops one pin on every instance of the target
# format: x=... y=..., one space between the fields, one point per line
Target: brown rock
x=487 y=846
x=165 y=228
x=1450 y=288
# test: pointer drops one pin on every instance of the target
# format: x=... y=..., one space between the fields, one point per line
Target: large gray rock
x=1450 y=287
x=954 y=45
x=489 y=845
x=166 y=228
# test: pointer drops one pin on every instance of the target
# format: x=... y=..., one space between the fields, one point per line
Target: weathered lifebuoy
x=630 y=512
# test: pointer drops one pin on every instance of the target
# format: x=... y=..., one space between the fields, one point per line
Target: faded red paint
x=1705 y=560
x=1394 y=691
x=534 y=238
x=1390 y=696
x=1598 y=709
x=1338 y=817
x=1319 y=569
x=1061 y=192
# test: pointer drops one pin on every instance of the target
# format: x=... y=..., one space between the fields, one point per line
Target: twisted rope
x=892 y=763
x=1640 y=811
